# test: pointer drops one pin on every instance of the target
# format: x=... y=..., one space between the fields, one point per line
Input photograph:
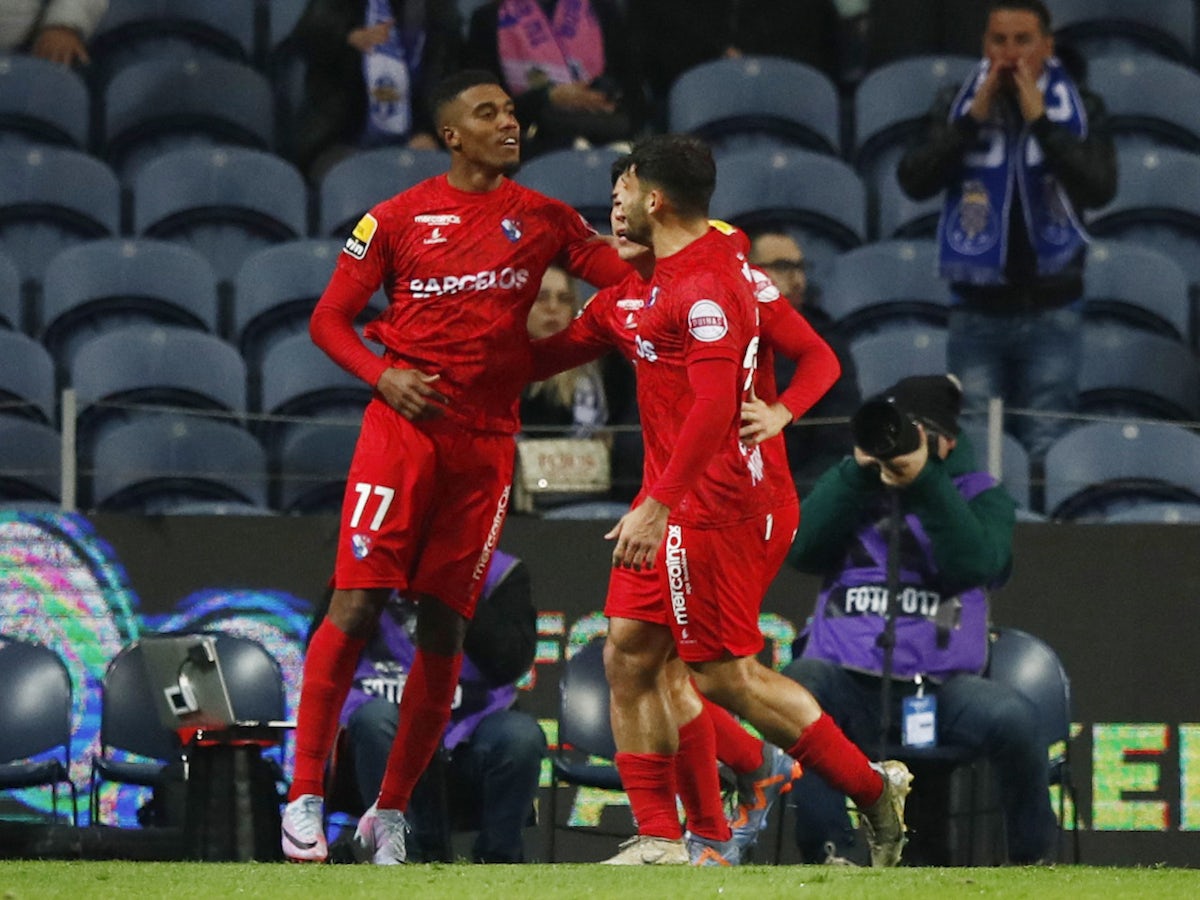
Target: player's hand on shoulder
x=412 y=393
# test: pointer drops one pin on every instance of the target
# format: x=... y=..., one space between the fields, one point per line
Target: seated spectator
x=812 y=447
x=57 y=30
x=369 y=66
x=955 y=545
x=573 y=401
x=493 y=751
x=566 y=65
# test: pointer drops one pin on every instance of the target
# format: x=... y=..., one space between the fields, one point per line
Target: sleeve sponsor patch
x=706 y=321
x=360 y=238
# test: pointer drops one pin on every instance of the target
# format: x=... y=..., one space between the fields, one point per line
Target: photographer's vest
x=937 y=634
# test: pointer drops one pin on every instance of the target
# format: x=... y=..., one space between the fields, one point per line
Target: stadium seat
x=42 y=103
x=35 y=720
x=11 y=304
x=886 y=356
x=886 y=283
x=890 y=105
x=133 y=30
x=156 y=105
x=817 y=198
x=1157 y=204
x=286 y=68
x=1156 y=511
x=225 y=203
x=93 y=287
x=313 y=462
x=579 y=178
x=30 y=462
x=26 y=378
x=1097 y=28
x=896 y=215
x=1135 y=286
x=1150 y=100
x=1136 y=373
x=1014 y=463
x=355 y=184
x=1100 y=468
x=52 y=198
x=757 y=99
x=156 y=464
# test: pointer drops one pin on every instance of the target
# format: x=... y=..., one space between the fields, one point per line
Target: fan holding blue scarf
x=1020 y=149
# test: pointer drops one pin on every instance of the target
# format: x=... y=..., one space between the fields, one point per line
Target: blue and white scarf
x=390 y=70
x=973 y=231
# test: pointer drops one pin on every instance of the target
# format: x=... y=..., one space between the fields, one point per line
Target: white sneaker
x=379 y=837
x=303 y=829
x=644 y=850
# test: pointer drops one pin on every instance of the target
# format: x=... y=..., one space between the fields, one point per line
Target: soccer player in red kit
x=461 y=256
x=702 y=516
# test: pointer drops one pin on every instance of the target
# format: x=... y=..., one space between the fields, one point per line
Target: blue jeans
x=990 y=718
x=492 y=778
x=1030 y=359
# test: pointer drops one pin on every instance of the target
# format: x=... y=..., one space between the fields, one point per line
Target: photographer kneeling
x=955 y=543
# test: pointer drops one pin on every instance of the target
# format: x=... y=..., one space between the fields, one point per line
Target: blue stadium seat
x=895 y=215
x=754 y=98
x=52 y=198
x=885 y=283
x=162 y=463
x=1150 y=100
x=1014 y=463
x=94 y=287
x=1157 y=204
x=886 y=356
x=890 y=104
x=26 y=378
x=11 y=305
x=42 y=103
x=1137 y=373
x=817 y=198
x=580 y=178
x=1098 y=469
x=355 y=184
x=30 y=462
x=132 y=30
x=312 y=466
x=1107 y=27
x=1160 y=511
x=1136 y=286
x=225 y=203
x=156 y=105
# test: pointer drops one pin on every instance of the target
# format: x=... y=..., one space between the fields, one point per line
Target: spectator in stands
x=812 y=448
x=573 y=401
x=369 y=64
x=57 y=30
x=1020 y=151
x=567 y=65
x=676 y=35
x=492 y=751
x=955 y=543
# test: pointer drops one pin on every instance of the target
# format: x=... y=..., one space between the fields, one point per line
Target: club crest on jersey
x=360 y=238
x=706 y=321
x=511 y=229
x=360 y=545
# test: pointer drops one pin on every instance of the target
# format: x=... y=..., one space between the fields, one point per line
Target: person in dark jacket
x=955 y=544
x=1019 y=150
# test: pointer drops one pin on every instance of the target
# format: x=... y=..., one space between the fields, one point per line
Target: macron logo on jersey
x=507 y=279
x=706 y=321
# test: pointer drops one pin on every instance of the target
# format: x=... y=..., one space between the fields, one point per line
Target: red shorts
x=423 y=509
x=713 y=580
x=780 y=531
x=636 y=595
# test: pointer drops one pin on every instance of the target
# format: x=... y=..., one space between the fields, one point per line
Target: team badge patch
x=360 y=545
x=360 y=238
x=511 y=229
x=707 y=322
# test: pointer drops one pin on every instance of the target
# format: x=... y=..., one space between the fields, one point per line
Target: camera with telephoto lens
x=883 y=430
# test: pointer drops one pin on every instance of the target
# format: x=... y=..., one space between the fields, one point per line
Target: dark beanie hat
x=933 y=400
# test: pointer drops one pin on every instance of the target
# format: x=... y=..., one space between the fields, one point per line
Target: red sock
x=649 y=781
x=697 y=780
x=823 y=748
x=424 y=712
x=328 y=672
x=736 y=747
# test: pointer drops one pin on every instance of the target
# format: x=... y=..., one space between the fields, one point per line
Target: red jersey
x=461 y=270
